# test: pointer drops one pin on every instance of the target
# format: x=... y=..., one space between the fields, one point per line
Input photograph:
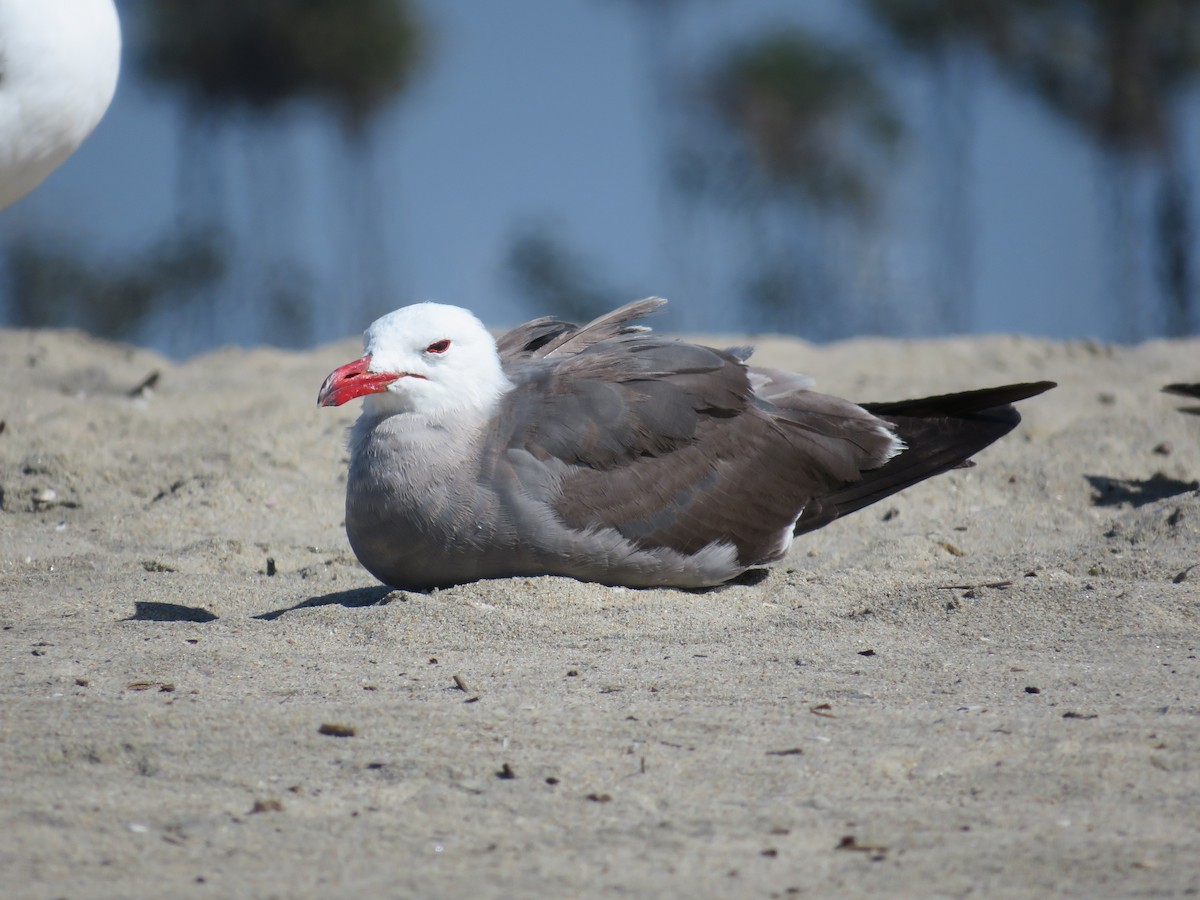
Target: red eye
x=438 y=346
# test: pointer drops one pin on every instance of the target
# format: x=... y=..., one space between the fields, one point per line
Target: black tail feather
x=964 y=403
x=941 y=433
x=1185 y=390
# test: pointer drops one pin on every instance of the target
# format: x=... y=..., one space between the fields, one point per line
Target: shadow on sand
x=368 y=596
x=1137 y=492
x=144 y=611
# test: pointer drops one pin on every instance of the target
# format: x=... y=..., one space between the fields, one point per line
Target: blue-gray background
x=525 y=169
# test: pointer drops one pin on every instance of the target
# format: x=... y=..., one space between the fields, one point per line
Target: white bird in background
x=59 y=61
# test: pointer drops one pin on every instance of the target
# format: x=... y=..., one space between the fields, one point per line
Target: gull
x=610 y=454
x=58 y=70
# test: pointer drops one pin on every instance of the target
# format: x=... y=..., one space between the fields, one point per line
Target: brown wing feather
x=541 y=337
x=532 y=336
x=665 y=442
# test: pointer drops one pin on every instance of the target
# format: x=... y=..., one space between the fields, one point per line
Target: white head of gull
x=59 y=61
x=606 y=453
x=429 y=359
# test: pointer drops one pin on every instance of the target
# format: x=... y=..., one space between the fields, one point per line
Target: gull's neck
x=475 y=404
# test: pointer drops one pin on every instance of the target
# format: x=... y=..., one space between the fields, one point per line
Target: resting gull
x=610 y=454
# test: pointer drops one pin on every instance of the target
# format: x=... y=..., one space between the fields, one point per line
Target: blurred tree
x=671 y=127
x=254 y=60
x=356 y=56
x=550 y=278
x=801 y=129
x=934 y=32
x=56 y=287
x=1117 y=70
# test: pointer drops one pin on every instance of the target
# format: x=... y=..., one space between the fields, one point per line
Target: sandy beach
x=987 y=685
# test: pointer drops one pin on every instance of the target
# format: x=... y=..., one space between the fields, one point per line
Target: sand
x=987 y=685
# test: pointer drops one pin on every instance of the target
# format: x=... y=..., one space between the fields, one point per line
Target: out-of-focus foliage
x=798 y=119
x=1116 y=69
x=1110 y=66
x=797 y=137
x=52 y=286
x=353 y=55
x=551 y=278
x=237 y=64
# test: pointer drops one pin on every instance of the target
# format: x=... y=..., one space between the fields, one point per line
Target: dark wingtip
x=1036 y=387
x=942 y=433
x=963 y=403
x=1183 y=390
